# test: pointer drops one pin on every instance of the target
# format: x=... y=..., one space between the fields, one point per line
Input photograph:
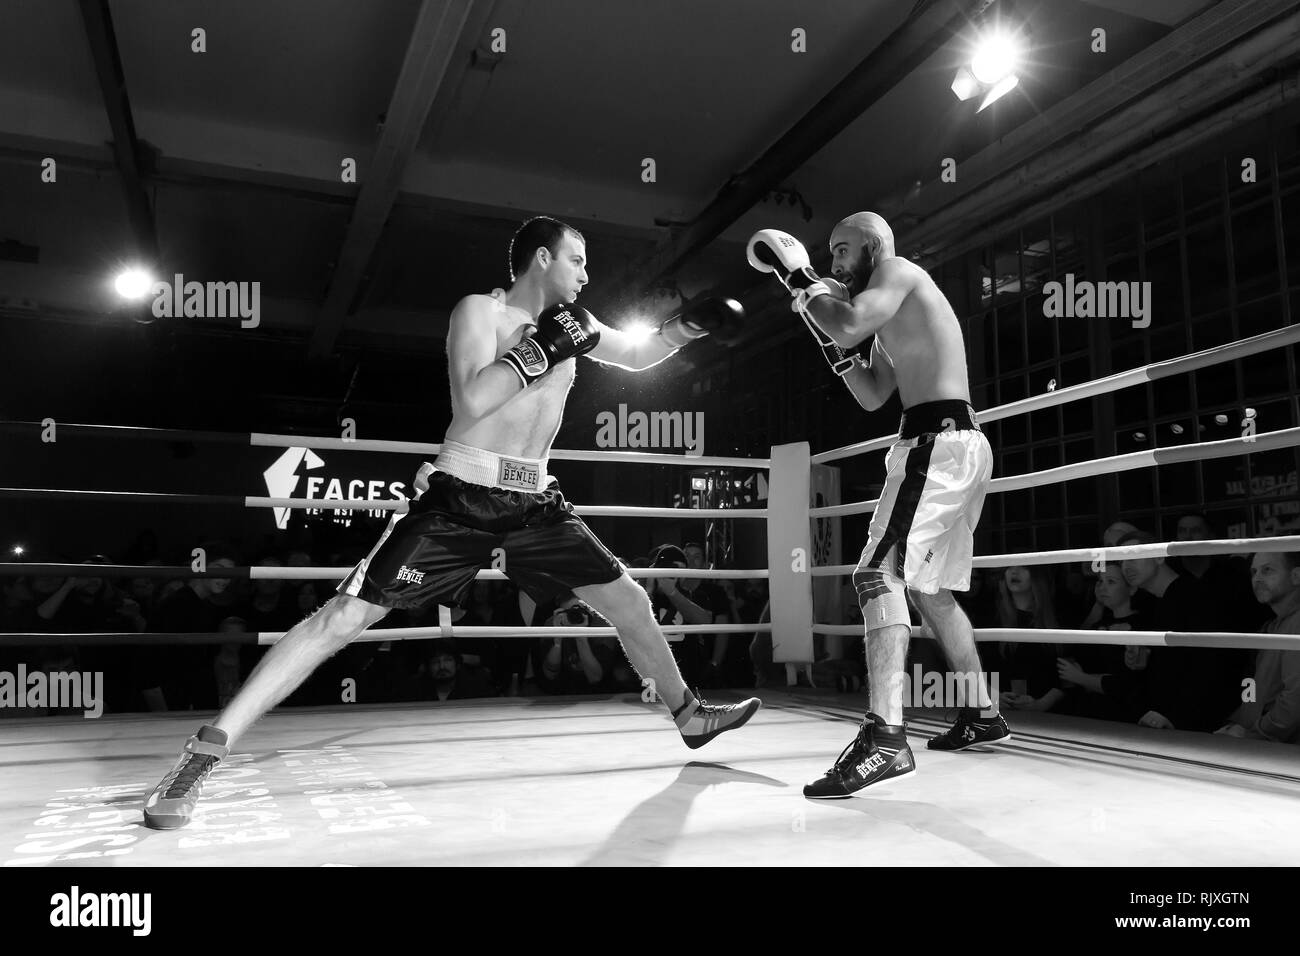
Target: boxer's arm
x=872 y=384
x=849 y=323
x=633 y=353
x=479 y=383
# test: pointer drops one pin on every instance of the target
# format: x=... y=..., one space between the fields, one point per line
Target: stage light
x=133 y=283
x=992 y=70
x=997 y=55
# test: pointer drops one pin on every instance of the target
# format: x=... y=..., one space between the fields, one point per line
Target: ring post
x=789 y=554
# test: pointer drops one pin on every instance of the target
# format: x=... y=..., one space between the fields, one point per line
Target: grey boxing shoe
x=700 y=722
x=171 y=805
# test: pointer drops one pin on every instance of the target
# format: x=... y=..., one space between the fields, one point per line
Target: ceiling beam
x=434 y=39
x=898 y=55
x=126 y=147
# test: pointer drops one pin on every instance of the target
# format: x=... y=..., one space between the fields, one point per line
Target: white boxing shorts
x=937 y=474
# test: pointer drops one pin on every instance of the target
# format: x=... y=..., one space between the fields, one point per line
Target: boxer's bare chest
x=534 y=414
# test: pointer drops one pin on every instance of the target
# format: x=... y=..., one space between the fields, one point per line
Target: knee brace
x=882 y=599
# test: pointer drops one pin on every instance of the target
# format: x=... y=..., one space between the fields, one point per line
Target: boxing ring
x=606 y=781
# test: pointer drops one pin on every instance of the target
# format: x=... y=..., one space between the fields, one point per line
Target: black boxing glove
x=719 y=317
x=563 y=332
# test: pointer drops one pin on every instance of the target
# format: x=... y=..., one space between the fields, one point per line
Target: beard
x=856 y=279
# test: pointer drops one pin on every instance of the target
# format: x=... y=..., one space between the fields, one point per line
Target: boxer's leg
x=952 y=629
x=625 y=604
x=888 y=632
x=295 y=657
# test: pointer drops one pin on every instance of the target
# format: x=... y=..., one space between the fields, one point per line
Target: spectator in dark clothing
x=1107 y=681
x=85 y=605
x=726 y=662
x=485 y=607
x=673 y=606
x=181 y=677
x=576 y=665
x=1272 y=711
x=1189 y=688
x=1110 y=538
x=1026 y=672
x=445 y=676
x=268 y=608
x=1226 y=576
x=225 y=667
x=981 y=602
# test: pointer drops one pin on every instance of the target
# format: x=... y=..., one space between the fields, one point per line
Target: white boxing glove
x=781 y=254
x=832 y=287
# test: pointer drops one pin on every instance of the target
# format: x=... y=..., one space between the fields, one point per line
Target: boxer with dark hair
x=937 y=473
x=511 y=356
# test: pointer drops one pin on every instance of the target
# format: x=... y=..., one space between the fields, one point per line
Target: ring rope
x=1264 y=342
x=353 y=504
x=1158 y=549
x=18 y=569
x=1224 y=448
x=1209 y=639
x=266 y=440
x=114 y=638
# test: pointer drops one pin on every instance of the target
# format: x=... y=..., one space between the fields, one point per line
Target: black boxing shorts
x=511 y=515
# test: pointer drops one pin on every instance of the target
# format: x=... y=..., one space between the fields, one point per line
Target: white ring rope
x=424 y=633
x=594 y=511
x=338 y=574
x=559 y=454
x=1225 y=448
x=1111 y=383
x=1020 y=635
x=1160 y=549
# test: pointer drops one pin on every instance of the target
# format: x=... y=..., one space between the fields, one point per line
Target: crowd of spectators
x=1227 y=690
x=1231 y=691
x=185 y=674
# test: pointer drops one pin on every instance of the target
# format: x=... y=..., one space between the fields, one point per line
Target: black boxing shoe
x=971 y=730
x=172 y=803
x=878 y=753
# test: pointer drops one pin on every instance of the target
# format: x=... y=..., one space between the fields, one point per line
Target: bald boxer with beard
x=922 y=532
x=511 y=360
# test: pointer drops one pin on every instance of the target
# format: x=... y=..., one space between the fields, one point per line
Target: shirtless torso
x=526 y=425
x=923 y=340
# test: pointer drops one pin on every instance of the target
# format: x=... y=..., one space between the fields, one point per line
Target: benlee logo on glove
x=534 y=359
x=570 y=325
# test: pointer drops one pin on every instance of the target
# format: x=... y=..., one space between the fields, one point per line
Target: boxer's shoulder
x=899 y=269
x=484 y=302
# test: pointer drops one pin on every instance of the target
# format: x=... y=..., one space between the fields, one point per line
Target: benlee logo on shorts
x=406 y=574
x=518 y=474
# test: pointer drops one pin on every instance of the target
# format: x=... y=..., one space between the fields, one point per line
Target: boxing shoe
x=699 y=721
x=878 y=753
x=171 y=805
x=971 y=730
